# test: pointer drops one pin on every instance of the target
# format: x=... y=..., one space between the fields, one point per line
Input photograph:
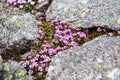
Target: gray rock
x=6 y=10
x=39 y=7
x=85 y=13
x=13 y=71
x=98 y=59
x=42 y=4
x=1 y=60
x=17 y=33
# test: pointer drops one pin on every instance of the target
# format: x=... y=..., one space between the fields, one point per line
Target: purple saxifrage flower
x=99 y=29
x=30 y=72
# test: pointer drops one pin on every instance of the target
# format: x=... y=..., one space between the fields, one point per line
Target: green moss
x=49 y=30
x=27 y=7
x=6 y=67
x=118 y=21
x=21 y=73
x=97 y=65
x=18 y=23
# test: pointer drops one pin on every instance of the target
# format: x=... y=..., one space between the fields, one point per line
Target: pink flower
x=41 y=62
x=24 y=65
x=32 y=60
x=110 y=34
x=40 y=73
x=73 y=43
x=47 y=45
x=29 y=57
x=73 y=27
x=64 y=41
x=45 y=49
x=59 y=32
x=21 y=62
x=67 y=31
x=35 y=58
x=56 y=27
x=52 y=51
x=32 y=11
x=55 y=20
x=40 y=31
x=63 y=22
x=58 y=48
x=118 y=32
x=32 y=2
x=30 y=72
x=60 y=27
x=40 y=69
x=47 y=60
x=35 y=64
x=37 y=55
x=20 y=6
x=39 y=23
x=11 y=1
x=81 y=34
x=31 y=66
x=104 y=30
x=14 y=3
x=21 y=1
x=42 y=51
x=99 y=29
x=39 y=1
x=29 y=0
x=65 y=47
x=46 y=68
x=27 y=62
x=41 y=18
x=86 y=30
x=43 y=65
x=57 y=35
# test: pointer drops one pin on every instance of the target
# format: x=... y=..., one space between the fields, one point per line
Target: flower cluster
x=36 y=64
x=24 y=4
x=56 y=36
x=63 y=36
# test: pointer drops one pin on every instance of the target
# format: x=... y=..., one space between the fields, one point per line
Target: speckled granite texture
x=98 y=59
x=7 y=11
x=85 y=13
x=17 y=33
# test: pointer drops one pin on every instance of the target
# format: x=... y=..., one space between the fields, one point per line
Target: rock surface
x=13 y=71
x=85 y=13
x=6 y=10
x=42 y=4
x=1 y=60
x=40 y=7
x=98 y=59
x=17 y=33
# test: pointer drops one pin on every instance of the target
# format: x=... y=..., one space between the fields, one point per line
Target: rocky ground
x=60 y=40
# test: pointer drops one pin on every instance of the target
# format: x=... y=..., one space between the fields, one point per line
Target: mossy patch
x=118 y=21
x=21 y=73
x=18 y=23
